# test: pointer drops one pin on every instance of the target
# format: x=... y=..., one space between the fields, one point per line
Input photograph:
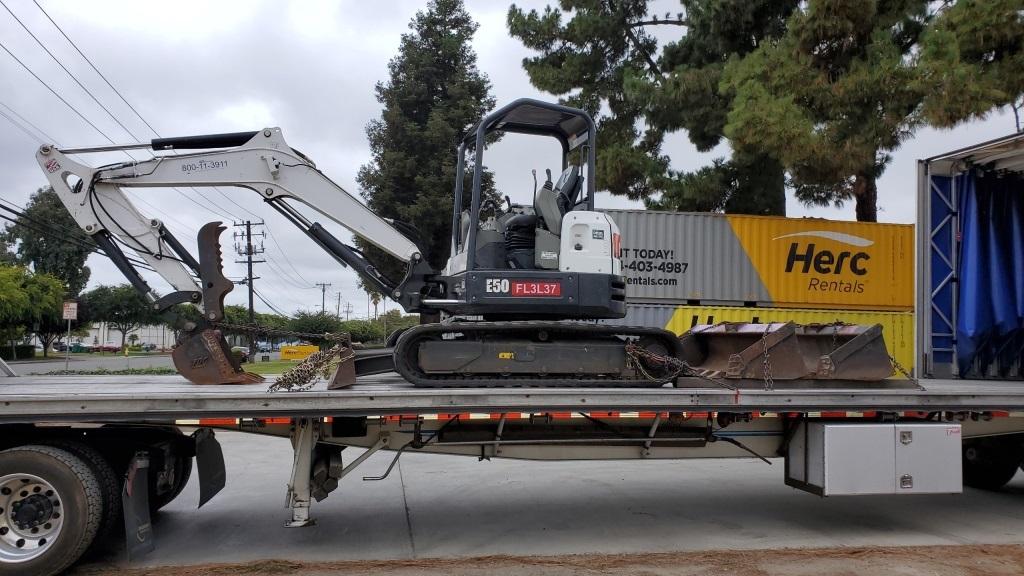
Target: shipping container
x=897 y=327
x=703 y=258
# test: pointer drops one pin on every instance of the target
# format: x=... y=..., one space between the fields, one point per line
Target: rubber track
x=407 y=365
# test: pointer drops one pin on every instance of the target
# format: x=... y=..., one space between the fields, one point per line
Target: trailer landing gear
x=317 y=468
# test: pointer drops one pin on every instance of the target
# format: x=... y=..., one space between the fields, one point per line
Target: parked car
x=79 y=347
x=149 y=347
x=60 y=346
x=242 y=352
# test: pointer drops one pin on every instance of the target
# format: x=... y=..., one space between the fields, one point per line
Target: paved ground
x=440 y=506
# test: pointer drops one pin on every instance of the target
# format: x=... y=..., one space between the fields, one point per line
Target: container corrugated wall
x=816 y=263
x=897 y=327
x=680 y=257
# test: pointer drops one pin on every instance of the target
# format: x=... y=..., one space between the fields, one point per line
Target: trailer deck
x=131 y=398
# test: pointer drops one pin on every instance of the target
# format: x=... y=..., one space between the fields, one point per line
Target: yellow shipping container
x=897 y=327
x=828 y=264
x=298 y=352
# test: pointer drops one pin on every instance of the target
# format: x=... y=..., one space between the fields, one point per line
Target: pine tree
x=972 y=61
x=832 y=97
x=605 y=60
x=433 y=94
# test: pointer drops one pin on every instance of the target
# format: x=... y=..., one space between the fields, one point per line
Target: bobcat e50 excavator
x=517 y=277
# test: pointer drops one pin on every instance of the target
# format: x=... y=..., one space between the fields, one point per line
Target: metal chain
x=305 y=373
x=769 y=382
x=263 y=330
x=641 y=355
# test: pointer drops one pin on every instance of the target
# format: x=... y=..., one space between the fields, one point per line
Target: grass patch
x=277 y=367
x=153 y=371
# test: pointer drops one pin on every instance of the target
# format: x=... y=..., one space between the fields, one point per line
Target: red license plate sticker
x=536 y=288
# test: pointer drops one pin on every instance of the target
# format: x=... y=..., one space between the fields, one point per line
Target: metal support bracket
x=299 y=496
x=497 y=435
x=651 y=434
x=7 y=369
x=382 y=442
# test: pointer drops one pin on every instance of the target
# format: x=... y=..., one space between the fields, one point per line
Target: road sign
x=70 y=311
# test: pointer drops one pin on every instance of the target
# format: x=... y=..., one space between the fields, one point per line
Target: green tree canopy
x=972 y=61
x=832 y=97
x=29 y=301
x=315 y=323
x=434 y=92
x=49 y=240
x=120 y=306
x=605 y=59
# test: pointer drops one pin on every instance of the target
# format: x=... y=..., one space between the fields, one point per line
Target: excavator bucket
x=203 y=357
x=787 y=351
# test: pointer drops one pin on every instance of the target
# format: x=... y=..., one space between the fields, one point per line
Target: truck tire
x=110 y=487
x=181 y=476
x=60 y=503
x=989 y=463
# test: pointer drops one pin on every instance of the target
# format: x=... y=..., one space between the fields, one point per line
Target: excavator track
x=529 y=354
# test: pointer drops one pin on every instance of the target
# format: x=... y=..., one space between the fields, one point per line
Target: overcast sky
x=195 y=67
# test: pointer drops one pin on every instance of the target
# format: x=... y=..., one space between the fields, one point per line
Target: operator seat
x=552 y=204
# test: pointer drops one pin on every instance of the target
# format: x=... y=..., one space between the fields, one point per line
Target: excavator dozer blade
x=787 y=351
x=203 y=357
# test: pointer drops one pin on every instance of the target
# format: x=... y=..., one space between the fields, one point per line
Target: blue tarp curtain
x=990 y=319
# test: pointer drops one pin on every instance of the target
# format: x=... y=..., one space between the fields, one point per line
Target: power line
x=51 y=139
x=95 y=69
x=61 y=233
x=65 y=68
x=54 y=92
x=22 y=128
x=138 y=263
x=217 y=210
x=221 y=213
x=269 y=305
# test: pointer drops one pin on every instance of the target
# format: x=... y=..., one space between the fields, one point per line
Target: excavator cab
x=554 y=257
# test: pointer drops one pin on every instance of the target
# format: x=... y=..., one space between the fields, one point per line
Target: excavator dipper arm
x=261 y=161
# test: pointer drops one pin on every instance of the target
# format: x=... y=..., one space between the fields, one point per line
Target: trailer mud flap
x=210 y=464
x=138 y=529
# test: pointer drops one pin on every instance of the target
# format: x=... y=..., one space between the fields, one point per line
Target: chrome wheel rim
x=31 y=517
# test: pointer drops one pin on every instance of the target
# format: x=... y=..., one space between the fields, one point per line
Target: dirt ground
x=979 y=560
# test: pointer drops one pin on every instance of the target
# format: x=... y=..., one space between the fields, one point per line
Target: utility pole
x=337 y=309
x=245 y=247
x=323 y=295
x=348 y=310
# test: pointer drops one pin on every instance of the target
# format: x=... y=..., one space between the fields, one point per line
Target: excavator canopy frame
x=572 y=127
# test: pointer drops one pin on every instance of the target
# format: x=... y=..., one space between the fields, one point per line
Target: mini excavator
x=514 y=304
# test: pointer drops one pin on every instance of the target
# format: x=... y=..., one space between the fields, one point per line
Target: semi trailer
x=84 y=457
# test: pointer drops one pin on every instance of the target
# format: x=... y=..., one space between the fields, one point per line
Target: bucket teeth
x=203 y=357
x=788 y=351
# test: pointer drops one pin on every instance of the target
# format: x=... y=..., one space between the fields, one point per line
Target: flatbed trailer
x=129 y=428
x=78 y=454
x=132 y=398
